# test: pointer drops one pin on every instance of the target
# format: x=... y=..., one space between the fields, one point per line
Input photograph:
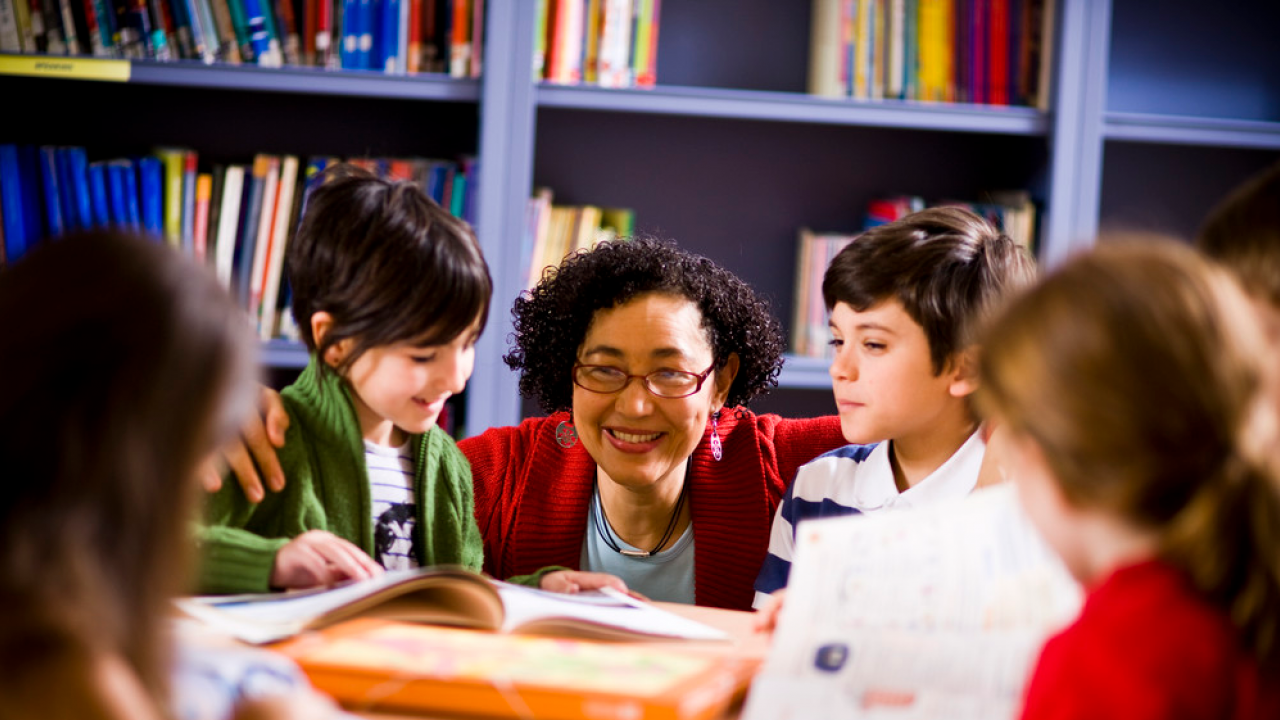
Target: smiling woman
x=648 y=466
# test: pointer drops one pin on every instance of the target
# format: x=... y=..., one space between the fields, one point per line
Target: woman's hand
x=317 y=557
x=572 y=581
x=766 y=618
x=259 y=438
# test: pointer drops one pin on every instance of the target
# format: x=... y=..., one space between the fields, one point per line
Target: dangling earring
x=566 y=433
x=717 y=451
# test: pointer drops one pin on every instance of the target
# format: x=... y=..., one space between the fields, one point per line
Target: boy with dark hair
x=904 y=300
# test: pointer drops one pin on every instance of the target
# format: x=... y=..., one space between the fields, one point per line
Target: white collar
x=952 y=479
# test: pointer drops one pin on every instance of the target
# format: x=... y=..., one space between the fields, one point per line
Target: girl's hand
x=317 y=557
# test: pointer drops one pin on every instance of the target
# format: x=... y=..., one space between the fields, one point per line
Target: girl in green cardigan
x=390 y=293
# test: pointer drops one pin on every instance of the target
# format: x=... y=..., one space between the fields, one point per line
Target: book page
x=438 y=595
x=601 y=615
x=919 y=613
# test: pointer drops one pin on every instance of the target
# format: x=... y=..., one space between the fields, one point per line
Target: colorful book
x=189 y=172
x=446 y=595
x=445 y=672
x=262 y=241
x=173 y=161
x=281 y=230
x=116 y=193
x=247 y=233
x=200 y=217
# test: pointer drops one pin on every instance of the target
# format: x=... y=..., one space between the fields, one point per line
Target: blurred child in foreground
x=107 y=336
x=1132 y=383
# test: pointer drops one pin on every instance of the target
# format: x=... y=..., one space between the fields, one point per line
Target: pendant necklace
x=607 y=536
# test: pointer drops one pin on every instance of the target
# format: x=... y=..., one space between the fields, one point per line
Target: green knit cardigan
x=327 y=488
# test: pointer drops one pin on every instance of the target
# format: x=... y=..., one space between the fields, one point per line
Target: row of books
x=554 y=231
x=993 y=52
x=609 y=43
x=395 y=36
x=235 y=217
x=1013 y=211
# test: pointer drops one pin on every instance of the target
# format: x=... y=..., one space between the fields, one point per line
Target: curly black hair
x=551 y=320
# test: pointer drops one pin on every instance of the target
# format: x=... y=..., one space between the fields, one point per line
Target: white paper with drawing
x=918 y=613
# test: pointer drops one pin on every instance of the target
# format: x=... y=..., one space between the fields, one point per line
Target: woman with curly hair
x=648 y=466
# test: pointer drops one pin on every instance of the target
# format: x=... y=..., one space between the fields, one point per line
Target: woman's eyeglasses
x=671 y=384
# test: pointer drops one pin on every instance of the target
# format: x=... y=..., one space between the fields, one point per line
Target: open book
x=935 y=612
x=369 y=664
x=444 y=596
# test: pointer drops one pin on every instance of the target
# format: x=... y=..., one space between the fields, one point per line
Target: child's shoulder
x=852 y=452
x=834 y=472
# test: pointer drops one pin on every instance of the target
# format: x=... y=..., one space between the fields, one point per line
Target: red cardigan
x=1147 y=647
x=531 y=496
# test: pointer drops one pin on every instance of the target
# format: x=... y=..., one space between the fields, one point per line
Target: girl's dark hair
x=387 y=263
x=947 y=266
x=1143 y=375
x=551 y=320
x=126 y=365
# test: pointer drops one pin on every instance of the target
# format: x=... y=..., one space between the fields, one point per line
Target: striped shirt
x=391 y=489
x=852 y=480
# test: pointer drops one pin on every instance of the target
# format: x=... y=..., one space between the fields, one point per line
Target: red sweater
x=532 y=495
x=1146 y=646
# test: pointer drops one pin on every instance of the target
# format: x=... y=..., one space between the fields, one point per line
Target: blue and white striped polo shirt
x=857 y=479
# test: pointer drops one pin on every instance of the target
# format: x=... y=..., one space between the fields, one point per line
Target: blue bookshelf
x=1157 y=108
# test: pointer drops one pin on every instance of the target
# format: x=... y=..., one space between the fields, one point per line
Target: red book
x=998 y=53
x=413 y=63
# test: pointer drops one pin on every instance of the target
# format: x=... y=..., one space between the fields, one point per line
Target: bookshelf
x=1156 y=110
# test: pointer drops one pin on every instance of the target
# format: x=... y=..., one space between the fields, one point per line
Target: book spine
x=10 y=39
x=200 y=217
x=98 y=197
x=77 y=171
x=52 y=192
x=187 y=226
x=19 y=225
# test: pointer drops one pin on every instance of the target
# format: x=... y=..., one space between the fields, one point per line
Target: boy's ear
x=963 y=370
x=321 y=322
x=724 y=378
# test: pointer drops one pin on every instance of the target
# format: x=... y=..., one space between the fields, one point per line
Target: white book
x=224 y=248
x=266 y=219
x=280 y=233
x=935 y=612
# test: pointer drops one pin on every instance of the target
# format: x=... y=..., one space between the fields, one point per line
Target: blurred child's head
x=904 y=299
x=125 y=364
x=391 y=291
x=1132 y=383
x=1243 y=233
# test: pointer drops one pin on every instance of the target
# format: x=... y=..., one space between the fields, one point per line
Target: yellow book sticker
x=77 y=68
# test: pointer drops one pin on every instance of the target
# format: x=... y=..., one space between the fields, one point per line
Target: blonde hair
x=1140 y=370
